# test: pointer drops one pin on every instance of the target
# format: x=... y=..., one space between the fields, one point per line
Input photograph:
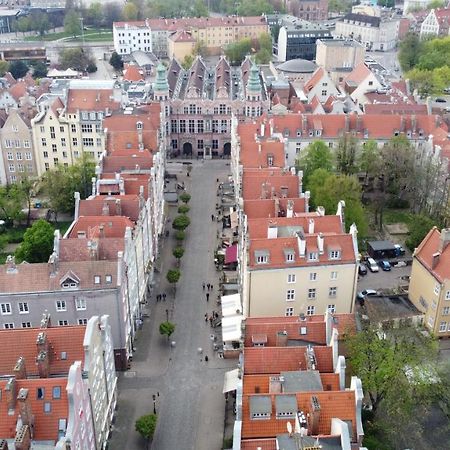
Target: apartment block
x=429 y=287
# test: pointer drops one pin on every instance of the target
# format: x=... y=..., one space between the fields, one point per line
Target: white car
x=372 y=265
x=366 y=293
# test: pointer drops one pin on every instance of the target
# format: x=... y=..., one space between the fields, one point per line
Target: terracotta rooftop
x=182 y=36
x=22 y=342
x=81 y=250
x=358 y=74
x=316 y=77
x=268 y=184
x=432 y=248
x=36 y=277
x=133 y=160
x=259 y=444
x=114 y=205
x=266 y=360
x=46 y=425
x=260 y=208
x=132 y=73
x=18 y=90
x=91 y=100
x=113 y=226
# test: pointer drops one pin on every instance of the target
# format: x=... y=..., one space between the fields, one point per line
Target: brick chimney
x=93 y=249
x=435 y=261
x=23 y=438
x=53 y=264
x=105 y=208
x=445 y=239
x=11 y=264
x=43 y=363
x=101 y=229
x=26 y=414
x=42 y=341
x=3 y=445
x=290 y=208
x=20 y=371
x=118 y=207
x=45 y=321
x=282 y=338
x=314 y=416
x=10 y=393
x=277 y=207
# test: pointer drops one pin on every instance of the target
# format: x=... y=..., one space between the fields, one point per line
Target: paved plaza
x=190 y=405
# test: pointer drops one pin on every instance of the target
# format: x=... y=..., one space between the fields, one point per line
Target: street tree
x=77 y=58
x=183 y=209
x=180 y=235
x=419 y=226
x=40 y=22
x=4 y=67
x=130 y=12
x=37 y=243
x=181 y=222
x=72 y=23
x=11 y=199
x=316 y=155
x=166 y=329
x=146 y=426
x=18 y=69
x=116 y=61
x=173 y=276
x=94 y=14
x=27 y=188
x=328 y=189
x=39 y=70
x=178 y=252
x=369 y=159
x=23 y=24
x=185 y=197
x=409 y=52
x=237 y=51
x=346 y=154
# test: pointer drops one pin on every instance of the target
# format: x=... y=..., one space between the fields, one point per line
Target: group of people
x=210 y=318
x=161 y=297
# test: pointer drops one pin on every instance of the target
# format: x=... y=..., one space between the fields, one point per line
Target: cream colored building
x=181 y=44
x=429 y=288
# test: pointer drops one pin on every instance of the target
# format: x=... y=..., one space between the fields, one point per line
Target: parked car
x=362 y=269
x=372 y=265
x=385 y=265
x=400 y=251
x=440 y=100
x=366 y=293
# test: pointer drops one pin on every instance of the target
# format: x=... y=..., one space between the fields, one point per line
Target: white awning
x=231 y=328
x=234 y=219
x=231 y=305
x=231 y=380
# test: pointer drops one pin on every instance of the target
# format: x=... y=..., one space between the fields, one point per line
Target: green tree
x=409 y=52
x=91 y=67
x=94 y=14
x=199 y=9
x=18 y=69
x=166 y=329
x=434 y=4
x=369 y=159
x=72 y=23
x=4 y=67
x=130 y=12
x=111 y=13
x=40 y=22
x=316 y=155
x=37 y=243
x=178 y=252
x=23 y=24
x=77 y=58
x=254 y=8
x=185 y=197
x=180 y=235
x=146 y=426
x=346 y=154
x=183 y=209
x=200 y=49
x=419 y=226
x=328 y=189
x=187 y=61
x=40 y=70
x=237 y=51
x=181 y=222
x=116 y=61
x=173 y=276
x=27 y=189
x=11 y=199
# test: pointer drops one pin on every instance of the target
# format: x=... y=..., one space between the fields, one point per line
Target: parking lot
x=384 y=280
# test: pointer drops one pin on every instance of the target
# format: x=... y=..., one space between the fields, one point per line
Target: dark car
x=362 y=269
x=385 y=265
x=440 y=100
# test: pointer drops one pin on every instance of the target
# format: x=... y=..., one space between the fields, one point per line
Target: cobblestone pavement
x=190 y=404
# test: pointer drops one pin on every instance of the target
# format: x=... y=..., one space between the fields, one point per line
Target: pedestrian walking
x=211 y=320
x=157 y=298
x=164 y=296
x=208 y=285
x=206 y=317
x=207 y=296
x=212 y=217
x=206 y=358
x=212 y=287
x=203 y=285
x=216 y=315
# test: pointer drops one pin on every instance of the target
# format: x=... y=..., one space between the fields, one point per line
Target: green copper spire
x=253 y=83
x=161 y=84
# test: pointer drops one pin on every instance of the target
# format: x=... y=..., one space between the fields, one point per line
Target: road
x=190 y=405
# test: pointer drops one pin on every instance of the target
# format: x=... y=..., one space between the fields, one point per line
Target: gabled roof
x=113 y=226
x=317 y=76
x=265 y=183
x=75 y=249
x=91 y=100
x=431 y=246
x=182 y=36
x=358 y=74
x=22 y=342
x=132 y=73
x=115 y=205
x=132 y=159
x=259 y=208
x=18 y=90
x=46 y=425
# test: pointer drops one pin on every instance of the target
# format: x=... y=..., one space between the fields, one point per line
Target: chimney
x=121 y=187
x=314 y=416
x=93 y=249
x=118 y=207
x=119 y=267
x=43 y=363
x=272 y=231
x=56 y=239
x=413 y=123
x=263 y=191
x=45 y=321
x=358 y=123
x=311 y=226
x=282 y=338
x=347 y=123
x=402 y=123
x=105 y=208
x=307 y=196
x=77 y=205
x=277 y=207
x=271 y=127
x=320 y=240
x=341 y=213
x=300 y=182
x=3 y=445
x=436 y=256
x=310 y=357
x=101 y=229
x=42 y=342
x=304 y=123
x=320 y=210
x=273 y=194
x=11 y=264
x=26 y=414
x=94 y=184
x=20 y=372
x=290 y=208
x=301 y=242
x=22 y=440
x=10 y=392
x=263 y=126
x=53 y=264
x=445 y=239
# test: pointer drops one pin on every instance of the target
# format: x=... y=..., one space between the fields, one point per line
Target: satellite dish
x=289 y=428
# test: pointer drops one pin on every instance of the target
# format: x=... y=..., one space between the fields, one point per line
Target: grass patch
x=396 y=216
x=100 y=34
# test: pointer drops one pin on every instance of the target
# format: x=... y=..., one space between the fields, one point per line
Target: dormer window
x=261 y=257
x=69 y=281
x=139 y=125
x=318 y=132
x=289 y=256
x=270 y=160
x=335 y=254
x=299 y=133
x=97 y=279
x=313 y=256
x=286 y=133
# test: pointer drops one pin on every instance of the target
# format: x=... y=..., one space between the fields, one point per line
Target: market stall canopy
x=231 y=380
x=231 y=328
x=231 y=305
x=231 y=254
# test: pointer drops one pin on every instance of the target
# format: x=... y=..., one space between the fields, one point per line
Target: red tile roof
x=45 y=424
x=254 y=154
x=22 y=342
x=132 y=73
x=392 y=108
x=181 y=36
x=259 y=444
x=316 y=77
x=265 y=360
x=358 y=74
x=336 y=404
x=432 y=245
x=268 y=183
x=134 y=160
x=117 y=205
x=18 y=90
x=113 y=226
x=266 y=207
x=91 y=100
x=78 y=250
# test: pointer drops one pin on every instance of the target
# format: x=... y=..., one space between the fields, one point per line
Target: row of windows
x=200 y=144
x=19 y=156
x=290 y=256
x=61 y=305
x=310 y=310
x=291 y=278
x=17 y=143
x=61 y=323
x=199 y=126
x=20 y=168
x=87 y=142
x=312 y=293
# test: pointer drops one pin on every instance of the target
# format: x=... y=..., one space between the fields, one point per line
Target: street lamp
x=154 y=403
